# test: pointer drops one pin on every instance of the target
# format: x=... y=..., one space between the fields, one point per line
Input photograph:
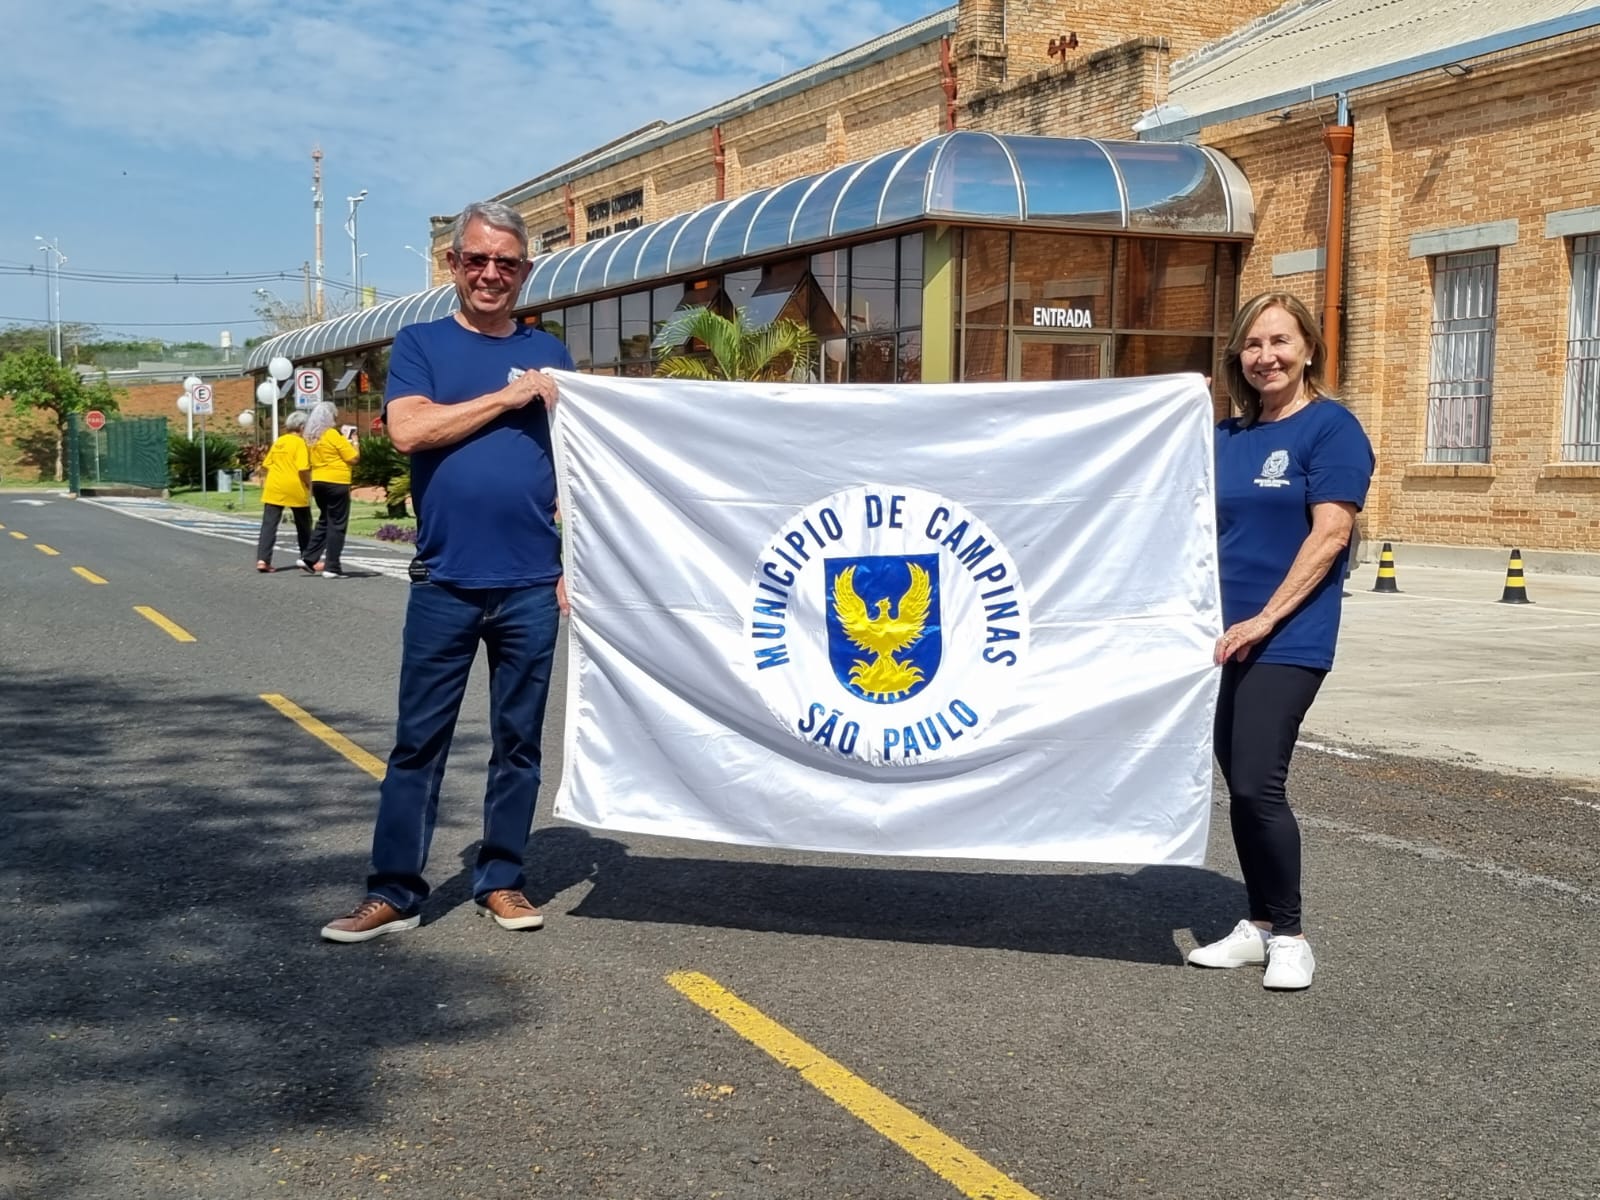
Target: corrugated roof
x=1313 y=48
x=967 y=176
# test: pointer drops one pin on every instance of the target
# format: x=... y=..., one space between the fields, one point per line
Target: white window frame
x=1580 y=425
x=1461 y=359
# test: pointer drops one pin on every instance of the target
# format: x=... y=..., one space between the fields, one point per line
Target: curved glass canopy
x=964 y=177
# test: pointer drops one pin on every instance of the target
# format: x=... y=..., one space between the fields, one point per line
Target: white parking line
x=1508 y=678
x=1533 y=610
x=1320 y=748
x=1511 y=875
x=242 y=530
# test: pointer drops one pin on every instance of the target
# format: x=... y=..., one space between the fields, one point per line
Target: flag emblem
x=890 y=654
x=888 y=625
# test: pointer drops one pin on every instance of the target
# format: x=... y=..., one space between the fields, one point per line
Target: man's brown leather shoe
x=511 y=910
x=369 y=919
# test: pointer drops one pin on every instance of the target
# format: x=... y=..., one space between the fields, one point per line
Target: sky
x=173 y=138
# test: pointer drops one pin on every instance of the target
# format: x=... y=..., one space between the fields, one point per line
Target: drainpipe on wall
x=572 y=213
x=719 y=162
x=947 y=76
x=1339 y=138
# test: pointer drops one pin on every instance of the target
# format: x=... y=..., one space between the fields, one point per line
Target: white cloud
x=437 y=102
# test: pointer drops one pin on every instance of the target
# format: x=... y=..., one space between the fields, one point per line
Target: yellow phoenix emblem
x=883 y=677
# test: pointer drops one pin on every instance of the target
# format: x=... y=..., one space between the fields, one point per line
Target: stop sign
x=94 y=419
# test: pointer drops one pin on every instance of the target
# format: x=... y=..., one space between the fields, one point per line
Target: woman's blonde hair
x=1244 y=395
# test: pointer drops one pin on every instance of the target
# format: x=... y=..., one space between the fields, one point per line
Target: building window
x=1580 y=439
x=599 y=214
x=1055 y=306
x=867 y=311
x=1461 y=371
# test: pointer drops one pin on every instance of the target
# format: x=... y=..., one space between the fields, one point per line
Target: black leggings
x=333 y=516
x=1259 y=711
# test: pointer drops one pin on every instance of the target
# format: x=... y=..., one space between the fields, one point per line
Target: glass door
x=1037 y=357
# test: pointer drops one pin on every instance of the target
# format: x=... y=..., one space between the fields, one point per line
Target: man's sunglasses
x=477 y=262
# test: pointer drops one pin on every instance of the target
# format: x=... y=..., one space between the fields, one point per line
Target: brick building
x=1439 y=157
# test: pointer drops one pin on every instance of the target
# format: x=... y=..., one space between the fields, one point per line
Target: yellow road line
x=21 y=537
x=43 y=549
x=85 y=573
x=944 y=1156
x=178 y=632
x=326 y=734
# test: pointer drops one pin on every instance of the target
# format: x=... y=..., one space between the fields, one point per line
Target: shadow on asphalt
x=167 y=855
x=1105 y=914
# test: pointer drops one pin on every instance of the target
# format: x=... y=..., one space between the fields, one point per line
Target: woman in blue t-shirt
x=1292 y=472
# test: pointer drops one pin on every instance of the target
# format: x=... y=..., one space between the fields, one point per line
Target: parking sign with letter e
x=307 y=386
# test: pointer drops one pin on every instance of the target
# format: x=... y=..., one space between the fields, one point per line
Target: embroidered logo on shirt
x=514 y=374
x=1272 y=471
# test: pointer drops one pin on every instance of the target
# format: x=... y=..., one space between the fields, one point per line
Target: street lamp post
x=427 y=267
x=186 y=407
x=53 y=312
x=355 y=241
x=280 y=368
x=186 y=403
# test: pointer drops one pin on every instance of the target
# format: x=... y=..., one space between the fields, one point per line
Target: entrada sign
x=1063 y=318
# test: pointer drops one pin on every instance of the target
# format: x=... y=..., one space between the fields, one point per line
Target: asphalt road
x=171 y=1026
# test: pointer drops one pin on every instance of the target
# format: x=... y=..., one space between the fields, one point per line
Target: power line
x=36 y=271
x=144 y=324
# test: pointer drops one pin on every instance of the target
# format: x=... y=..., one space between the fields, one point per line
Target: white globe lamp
x=186 y=407
x=280 y=368
x=266 y=393
x=247 y=418
x=191 y=383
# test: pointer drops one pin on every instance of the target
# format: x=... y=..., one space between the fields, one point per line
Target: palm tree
x=734 y=348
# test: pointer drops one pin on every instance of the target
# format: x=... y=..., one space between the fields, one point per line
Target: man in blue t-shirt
x=467 y=398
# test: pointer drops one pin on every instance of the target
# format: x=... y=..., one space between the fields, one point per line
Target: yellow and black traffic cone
x=1516 y=586
x=1386 y=580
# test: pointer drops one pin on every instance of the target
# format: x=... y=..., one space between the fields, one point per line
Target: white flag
x=940 y=619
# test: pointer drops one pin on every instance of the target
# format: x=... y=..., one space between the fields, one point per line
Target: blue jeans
x=443 y=628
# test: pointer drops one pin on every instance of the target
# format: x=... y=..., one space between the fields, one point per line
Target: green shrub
x=381 y=465
x=183 y=458
x=398 y=493
x=379 y=462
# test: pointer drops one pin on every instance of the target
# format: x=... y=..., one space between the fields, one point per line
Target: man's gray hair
x=493 y=214
x=295 y=420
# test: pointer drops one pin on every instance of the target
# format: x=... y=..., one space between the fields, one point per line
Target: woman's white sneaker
x=1290 y=964
x=1246 y=946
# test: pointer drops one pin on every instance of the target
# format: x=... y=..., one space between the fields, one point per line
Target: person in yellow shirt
x=331 y=458
x=287 y=486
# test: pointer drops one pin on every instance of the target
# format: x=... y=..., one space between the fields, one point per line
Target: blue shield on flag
x=884 y=635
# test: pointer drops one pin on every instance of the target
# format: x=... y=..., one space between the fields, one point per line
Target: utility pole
x=54 y=312
x=350 y=228
x=316 y=204
x=305 y=269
